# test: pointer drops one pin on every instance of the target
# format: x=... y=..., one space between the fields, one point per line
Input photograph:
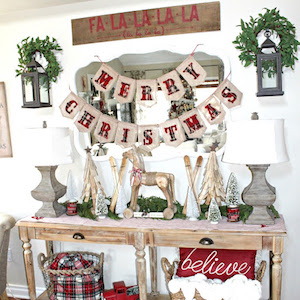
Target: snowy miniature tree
x=214 y=214
x=192 y=210
x=232 y=191
x=101 y=209
x=72 y=192
x=212 y=184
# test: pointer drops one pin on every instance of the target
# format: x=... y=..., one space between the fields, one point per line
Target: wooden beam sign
x=147 y=23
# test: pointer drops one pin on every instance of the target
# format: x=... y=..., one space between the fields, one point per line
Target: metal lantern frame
x=35 y=77
x=276 y=57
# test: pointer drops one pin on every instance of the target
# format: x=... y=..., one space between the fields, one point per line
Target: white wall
x=18 y=177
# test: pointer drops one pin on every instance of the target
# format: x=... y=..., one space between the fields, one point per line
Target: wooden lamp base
x=260 y=195
x=49 y=191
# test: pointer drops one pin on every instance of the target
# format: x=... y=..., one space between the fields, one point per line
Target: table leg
x=276 y=268
x=139 y=245
x=4 y=296
x=153 y=270
x=49 y=248
x=28 y=262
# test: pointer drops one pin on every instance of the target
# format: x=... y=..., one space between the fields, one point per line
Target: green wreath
x=28 y=47
x=247 y=43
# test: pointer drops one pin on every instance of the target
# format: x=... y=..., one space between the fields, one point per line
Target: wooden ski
x=192 y=177
x=113 y=166
x=118 y=178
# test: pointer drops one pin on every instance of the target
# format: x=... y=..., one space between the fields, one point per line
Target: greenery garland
x=247 y=43
x=28 y=47
x=157 y=204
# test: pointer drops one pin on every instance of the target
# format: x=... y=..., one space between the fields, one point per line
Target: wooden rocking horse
x=165 y=181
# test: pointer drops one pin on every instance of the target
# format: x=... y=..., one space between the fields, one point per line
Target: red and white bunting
x=106 y=129
x=229 y=94
x=126 y=134
x=146 y=92
x=148 y=137
x=172 y=132
x=171 y=85
x=105 y=78
x=192 y=123
x=212 y=110
x=125 y=89
x=191 y=71
x=87 y=118
x=71 y=106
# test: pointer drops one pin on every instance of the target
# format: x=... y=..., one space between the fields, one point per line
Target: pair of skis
x=193 y=176
x=118 y=178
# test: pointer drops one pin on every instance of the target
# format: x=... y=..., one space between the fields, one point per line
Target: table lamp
x=257 y=143
x=50 y=147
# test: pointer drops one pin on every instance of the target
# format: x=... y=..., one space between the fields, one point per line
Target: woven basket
x=84 y=283
x=170 y=269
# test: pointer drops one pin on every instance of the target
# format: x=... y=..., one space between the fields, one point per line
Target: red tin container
x=71 y=208
x=233 y=213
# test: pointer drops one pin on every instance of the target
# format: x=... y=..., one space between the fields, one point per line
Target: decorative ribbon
x=135 y=172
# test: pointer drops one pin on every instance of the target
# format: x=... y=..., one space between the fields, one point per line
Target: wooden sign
x=5 y=143
x=147 y=23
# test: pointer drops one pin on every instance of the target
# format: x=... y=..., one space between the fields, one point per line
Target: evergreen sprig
x=48 y=47
x=247 y=42
x=157 y=204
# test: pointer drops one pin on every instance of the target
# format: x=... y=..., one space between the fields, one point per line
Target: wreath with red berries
x=271 y=20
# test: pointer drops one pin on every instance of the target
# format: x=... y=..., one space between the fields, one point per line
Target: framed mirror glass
x=151 y=66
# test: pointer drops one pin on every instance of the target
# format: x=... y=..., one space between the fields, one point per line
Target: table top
x=148 y=224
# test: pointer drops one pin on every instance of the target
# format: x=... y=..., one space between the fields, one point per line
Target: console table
x=154 y=233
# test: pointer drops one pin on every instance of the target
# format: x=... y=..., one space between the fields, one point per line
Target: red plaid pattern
x=66 y=261
x=87 y=287
x=70 y=287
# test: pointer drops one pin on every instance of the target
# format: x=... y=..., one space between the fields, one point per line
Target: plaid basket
x=73 y=275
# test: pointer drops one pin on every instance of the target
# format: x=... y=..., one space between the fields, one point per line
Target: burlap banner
x=148 y=137
x=146 y=92
x=106 y=129
x=172 y=132
x=228 y=94
x=212 y=110
x=171 y=85
x=125 y=89
x=126 y=134
x=193 y=122
x=71 y=106
x=191 y=71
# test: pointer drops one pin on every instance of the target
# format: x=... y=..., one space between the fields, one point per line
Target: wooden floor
x=44 y=296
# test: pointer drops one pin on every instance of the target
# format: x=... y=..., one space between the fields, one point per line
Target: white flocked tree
x=232 y=191
x=214 y=214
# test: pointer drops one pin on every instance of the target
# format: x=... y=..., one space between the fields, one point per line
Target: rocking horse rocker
x=165 y=181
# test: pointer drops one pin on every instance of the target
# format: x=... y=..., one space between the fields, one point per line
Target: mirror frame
x=107 y=55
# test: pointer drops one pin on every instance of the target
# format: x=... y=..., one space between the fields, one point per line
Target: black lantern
x=269 y=69
x=35 y=86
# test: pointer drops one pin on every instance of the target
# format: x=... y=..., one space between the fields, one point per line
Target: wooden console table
x=154 y=233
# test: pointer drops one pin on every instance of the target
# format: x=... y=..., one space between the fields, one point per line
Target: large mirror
x=151 y=66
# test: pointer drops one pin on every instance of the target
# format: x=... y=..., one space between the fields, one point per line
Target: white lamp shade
x=49 y=146
x=255 y=142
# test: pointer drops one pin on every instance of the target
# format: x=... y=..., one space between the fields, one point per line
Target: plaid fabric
x=70 y=287
x=87 y=287
x=66 y=261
